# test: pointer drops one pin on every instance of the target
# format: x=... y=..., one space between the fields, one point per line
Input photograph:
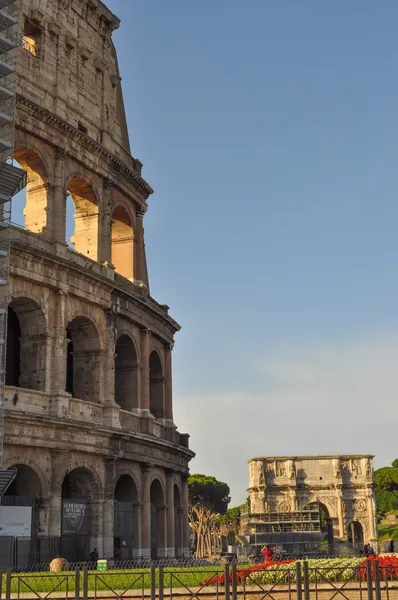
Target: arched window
x=79 y=514
x=34 y=199
x=122 y=243
x=158 y=521
x=126 y=374
x=26 y=345
x=83 y=360
x=156 y=386
x=82 y=208
x=126 y=528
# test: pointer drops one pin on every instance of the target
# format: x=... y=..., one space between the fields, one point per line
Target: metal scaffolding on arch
x=12 y=180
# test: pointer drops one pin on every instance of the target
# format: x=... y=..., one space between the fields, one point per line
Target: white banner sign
x=16 y=521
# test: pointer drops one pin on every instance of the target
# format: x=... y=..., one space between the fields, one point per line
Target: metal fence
x=296 y=581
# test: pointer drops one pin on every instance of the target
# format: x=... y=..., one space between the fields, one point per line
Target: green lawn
x=135 y=579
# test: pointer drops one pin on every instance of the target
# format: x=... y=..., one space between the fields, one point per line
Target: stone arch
x=27 y=483
x=158 y=519
x=80 y=517
x=25 y=491
x=83 y=361
x=13 y=462
x=126 y=517
x=156 y=385
x=126 y=373
x=85 y=238
x=178 y=517
x=36 y=195
x=123 y=241
x=326 y=521
x=26 y=345
x=355 y=534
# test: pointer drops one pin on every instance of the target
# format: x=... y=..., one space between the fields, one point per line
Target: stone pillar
x=58 y=471
x=137 y=542
x=371 y=517
x=109 y=508
x=105 y=226
x=185 y=521
x=140 y=266
x=60 y=398
x=168 y=384
x=145 y=398
x=170 y=549
x=340 y=515
x=146 y=512
x=57 y=216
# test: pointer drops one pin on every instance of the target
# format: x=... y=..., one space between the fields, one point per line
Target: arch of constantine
x=89 y=408
x=294 y=499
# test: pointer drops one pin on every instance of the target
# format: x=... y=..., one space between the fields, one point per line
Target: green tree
x=230 y=523
x=386 y=480
x=208 y=498
x=209 y=492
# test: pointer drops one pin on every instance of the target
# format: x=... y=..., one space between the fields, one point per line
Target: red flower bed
x=242 y=574
x=388 y=567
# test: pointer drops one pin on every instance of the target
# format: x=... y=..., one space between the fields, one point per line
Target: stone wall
x=89 y=395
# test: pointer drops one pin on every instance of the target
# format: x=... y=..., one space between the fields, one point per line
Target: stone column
x=371 y=516
x=168 y=384
x=60 y=401
x=105 y=231
x=170 y=549
x=145 y=398
x=137 y=542
x=146 y=512
x=340 y=515
x=140 y=266
x=185 y=521
x=58 y=471
x=57 y=217
x=109 y=508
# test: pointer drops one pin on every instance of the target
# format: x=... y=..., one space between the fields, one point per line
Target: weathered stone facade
x=342 y=485
x=89 y=413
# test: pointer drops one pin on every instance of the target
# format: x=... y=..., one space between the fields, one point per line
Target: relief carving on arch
x=284 y=507
x=360 y=506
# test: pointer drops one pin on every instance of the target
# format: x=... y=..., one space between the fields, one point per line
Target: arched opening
x=79 y=514
x=21 y=502
x=26 y=345
x=156 y=386
x=179 y=551
x=158 y=520
x=82 y=208
x=122 y=242
x=83 y=360
x=326 y=526
x=29 y=207
x=355 y=535
x=126 y=531
x=126 y=374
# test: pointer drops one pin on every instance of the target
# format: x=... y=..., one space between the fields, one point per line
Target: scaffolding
x=290 y=531
x=12 y=180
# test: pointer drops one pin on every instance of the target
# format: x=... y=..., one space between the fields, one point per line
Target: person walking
x=391 y=547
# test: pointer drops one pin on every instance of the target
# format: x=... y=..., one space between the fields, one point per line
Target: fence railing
x=296 y=581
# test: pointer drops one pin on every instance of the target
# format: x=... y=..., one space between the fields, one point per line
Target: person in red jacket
x=267 y=553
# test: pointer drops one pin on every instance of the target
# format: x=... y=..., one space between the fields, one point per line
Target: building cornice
x=86 y=142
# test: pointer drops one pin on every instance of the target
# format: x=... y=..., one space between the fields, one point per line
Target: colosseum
x=89 y=409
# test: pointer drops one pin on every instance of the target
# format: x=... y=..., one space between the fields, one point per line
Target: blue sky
x=269 y=130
